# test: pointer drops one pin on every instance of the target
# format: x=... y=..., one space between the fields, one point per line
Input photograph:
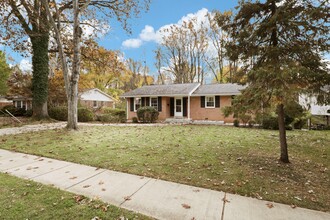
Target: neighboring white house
x=310 y=104
x=95 y=98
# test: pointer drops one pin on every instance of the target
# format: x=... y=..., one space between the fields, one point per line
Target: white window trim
x=135 y=103
x=154 y=97
x=206 y=102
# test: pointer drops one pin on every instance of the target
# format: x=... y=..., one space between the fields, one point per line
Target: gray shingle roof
x=218 y=89
x=185 y=90
x=163 y=90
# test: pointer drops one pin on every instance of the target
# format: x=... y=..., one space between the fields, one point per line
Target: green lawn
x=235 y=160
x=22 y=199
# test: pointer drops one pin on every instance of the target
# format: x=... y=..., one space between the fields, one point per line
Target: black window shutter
x=131 y=102
x=185 y=99
x=143 y=101
x=159 y=104
x=202 y=101
x=148 y=101
x=217 y=101
x=171 y=106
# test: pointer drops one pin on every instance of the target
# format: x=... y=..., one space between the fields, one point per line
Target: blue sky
x=161 y=13
x=139 y=46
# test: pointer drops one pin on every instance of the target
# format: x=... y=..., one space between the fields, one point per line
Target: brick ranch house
x=191 y=101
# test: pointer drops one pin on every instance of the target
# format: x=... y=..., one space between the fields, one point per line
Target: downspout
x=189 y=95
x=188 y=107
x=127 y=108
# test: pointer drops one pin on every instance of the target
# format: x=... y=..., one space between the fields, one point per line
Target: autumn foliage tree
x=281 y=44
x=104 y=68
x=19 y=83
x=4 y=73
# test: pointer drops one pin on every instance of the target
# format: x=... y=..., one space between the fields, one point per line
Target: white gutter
x=189 y=95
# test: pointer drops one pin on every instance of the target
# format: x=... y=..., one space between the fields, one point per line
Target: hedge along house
x=190 y=101
x=95 y=98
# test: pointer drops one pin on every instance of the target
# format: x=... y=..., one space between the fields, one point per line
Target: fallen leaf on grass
x=104 y=208
x=78 y=198
x=270 y=205
x=186 y=206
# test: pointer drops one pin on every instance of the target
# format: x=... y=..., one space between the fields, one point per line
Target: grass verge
x=23 y=199
x=235 y=160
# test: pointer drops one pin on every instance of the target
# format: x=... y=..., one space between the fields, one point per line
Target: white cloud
x=132 y=43
x=25 y=65
x=200 y=16
x=148 y=34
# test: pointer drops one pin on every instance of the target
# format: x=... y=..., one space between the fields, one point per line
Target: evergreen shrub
x=147 y=114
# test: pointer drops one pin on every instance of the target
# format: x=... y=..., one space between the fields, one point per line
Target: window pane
x=137 y=103
x=19 y=104
x=154 y=102
x=209 y=101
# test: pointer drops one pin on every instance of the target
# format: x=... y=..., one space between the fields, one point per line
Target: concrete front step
x=190 y=121
x=178 y=121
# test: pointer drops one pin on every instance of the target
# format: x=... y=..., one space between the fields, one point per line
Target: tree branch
x=20 y=17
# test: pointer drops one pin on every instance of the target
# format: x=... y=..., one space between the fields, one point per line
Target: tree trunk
x=73 y=107
x=73 y=88
x=281 y=124
x=40 y=75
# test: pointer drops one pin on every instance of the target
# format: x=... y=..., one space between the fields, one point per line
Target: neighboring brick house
x=4 y=102
x=184 y=101
x=22 y=102
x=95 y=98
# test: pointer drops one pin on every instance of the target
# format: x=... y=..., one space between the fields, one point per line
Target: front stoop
x=177 y=120
x=180 y=120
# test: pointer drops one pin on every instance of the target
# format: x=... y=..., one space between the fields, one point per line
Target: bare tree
x=183 y=50
x=217 y=57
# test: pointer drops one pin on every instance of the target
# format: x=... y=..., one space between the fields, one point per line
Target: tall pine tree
x=281 y=44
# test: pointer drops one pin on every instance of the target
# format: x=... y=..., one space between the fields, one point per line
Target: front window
x=95 y=104
x=154 y=102
x=209 y=102
x=137 y=103
x=18 y=104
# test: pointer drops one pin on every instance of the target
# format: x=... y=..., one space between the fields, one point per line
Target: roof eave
x=213 y=94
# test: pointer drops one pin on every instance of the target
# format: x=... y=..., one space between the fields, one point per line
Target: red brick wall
x=212 y=114
x=90 y=104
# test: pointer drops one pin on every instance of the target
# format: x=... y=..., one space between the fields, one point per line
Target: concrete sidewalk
x=152 y=197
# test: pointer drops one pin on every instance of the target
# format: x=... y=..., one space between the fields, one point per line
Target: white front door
x=178 y=107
